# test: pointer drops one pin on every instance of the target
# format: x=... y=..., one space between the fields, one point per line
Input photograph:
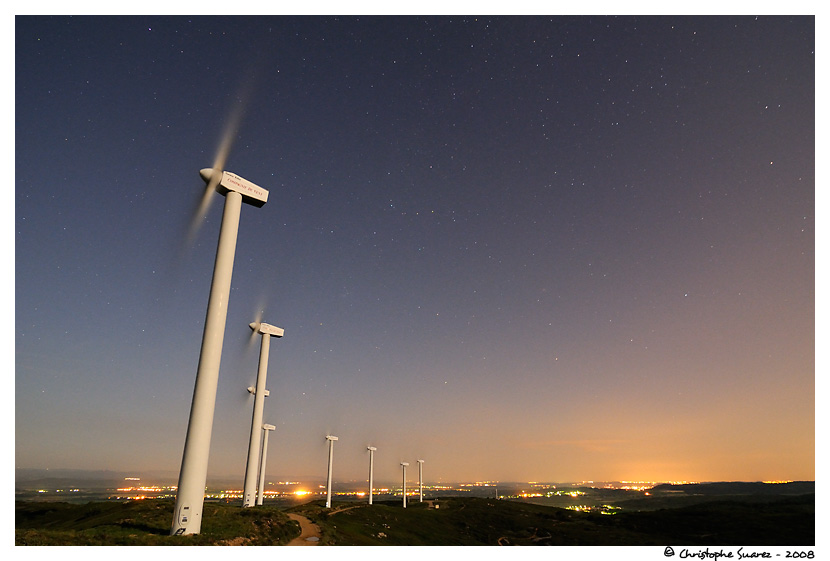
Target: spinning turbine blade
x=254 y=325
x=224 y=149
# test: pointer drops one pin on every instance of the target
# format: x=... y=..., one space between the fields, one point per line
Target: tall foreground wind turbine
x=261 y=493
x=331 y=440
x=190 y=496
x=371 y=469
x=267 y=331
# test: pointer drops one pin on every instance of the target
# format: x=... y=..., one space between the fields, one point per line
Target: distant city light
x=569 y=495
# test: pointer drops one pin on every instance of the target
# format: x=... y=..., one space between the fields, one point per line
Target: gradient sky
x=519 y=248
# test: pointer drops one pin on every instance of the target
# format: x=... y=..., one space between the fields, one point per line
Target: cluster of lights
x=351 y=493
x=228 y=494
x=141 y=497
x=638 y=486
x=572 y=493
x=604 y=509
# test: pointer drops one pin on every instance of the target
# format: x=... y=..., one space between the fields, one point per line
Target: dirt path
x=343 y=509
x=309 y=532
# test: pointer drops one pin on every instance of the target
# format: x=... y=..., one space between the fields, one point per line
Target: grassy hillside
x=474 y=521
x=146 y=523
x=456 y=521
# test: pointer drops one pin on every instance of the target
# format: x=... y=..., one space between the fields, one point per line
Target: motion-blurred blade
x=254 y=328
x=225 y=144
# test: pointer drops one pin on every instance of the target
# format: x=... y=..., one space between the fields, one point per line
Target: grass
x=147 y=523
x=476 y=521
x=457 y=521
x=467 y=521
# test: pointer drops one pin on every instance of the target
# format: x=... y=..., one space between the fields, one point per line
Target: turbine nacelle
x=266 y=329
x=252 y=390
x=251 y=193
x=268 y=427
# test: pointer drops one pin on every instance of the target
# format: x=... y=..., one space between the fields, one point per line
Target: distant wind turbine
x=371 y=469
x=331 y=440
x=403 y=465
x=261 y=491
x=267 y=331
x=421 y=479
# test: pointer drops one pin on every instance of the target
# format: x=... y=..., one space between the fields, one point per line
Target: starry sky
x=517 y=247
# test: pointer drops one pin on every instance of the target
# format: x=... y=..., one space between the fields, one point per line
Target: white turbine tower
x=403 y=465
x=190 y=496
x=331 y=440
x=260 y=494
x=371 y=469
x=421 y=479
x=267 y=331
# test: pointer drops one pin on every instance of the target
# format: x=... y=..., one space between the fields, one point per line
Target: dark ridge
x=741 y=488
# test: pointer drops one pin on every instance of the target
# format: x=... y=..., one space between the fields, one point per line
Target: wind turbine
x=266 y=429
x=403 y=465
x=371 y=469
x=267 y=331
x=190 y=495
x=421 y=479
x=331 y=440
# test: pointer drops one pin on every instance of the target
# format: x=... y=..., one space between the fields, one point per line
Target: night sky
x=519 y=248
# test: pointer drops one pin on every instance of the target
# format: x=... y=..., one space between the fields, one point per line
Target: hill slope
x=475 y=521
x=146 y=523
x=455 y=521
